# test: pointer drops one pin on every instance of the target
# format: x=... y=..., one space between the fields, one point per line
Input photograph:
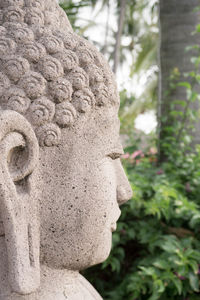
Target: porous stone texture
x=44 y=63
x=61 y=179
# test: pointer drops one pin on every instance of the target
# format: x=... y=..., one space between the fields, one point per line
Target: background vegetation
x=156 y=248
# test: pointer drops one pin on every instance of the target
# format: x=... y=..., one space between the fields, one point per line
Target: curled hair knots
x=50 y=67
x=95 y=74
x=4 y=83
x=79 y=78
x=48 y=135
x=13 y=14
x=68 y=59
x=15 y=67
x=34 y=16
x=33 y=84
x=83 y=100
x=6 y=3
x=39 y=4
x=65 y=114
x=33 y=51
x=7 y=45
x=3 y=31
x=49 y=74
x=41 y=110
x=61 y=90
x=21 y=33
x=52 y=43
x=17 y=100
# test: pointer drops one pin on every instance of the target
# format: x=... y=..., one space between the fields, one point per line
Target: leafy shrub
x=156 y=246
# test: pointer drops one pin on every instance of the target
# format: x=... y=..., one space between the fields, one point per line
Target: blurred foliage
x=139 y=43
x=72 y=9
x=155 y=251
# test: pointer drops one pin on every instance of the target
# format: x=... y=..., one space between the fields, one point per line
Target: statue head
x=61 y=179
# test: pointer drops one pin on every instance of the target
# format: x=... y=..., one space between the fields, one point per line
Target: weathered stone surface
x=61 y=180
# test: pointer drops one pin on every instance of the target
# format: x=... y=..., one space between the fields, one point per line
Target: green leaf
x=195 y=220
x=185 y=84
x=161 y=264
x=148 y=271
x=170 y=244
x=198 y=28
x=178 y=284
x=155 y=296
x=189 y=48
x=195 y=60
x=194 y=281
x=180 y=102
x=194 y=265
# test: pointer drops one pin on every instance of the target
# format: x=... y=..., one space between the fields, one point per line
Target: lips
x=114 y=224
x=113 y=227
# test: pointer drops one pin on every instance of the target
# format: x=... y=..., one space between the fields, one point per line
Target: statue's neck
x=55 y=284
x=50 y=278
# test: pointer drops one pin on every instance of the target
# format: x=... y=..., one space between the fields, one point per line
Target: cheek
x=78 y=209
x=102 y=192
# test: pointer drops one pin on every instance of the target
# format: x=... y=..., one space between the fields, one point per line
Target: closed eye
x=115 y=155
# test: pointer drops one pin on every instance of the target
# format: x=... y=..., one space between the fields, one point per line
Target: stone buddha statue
x=61 y=179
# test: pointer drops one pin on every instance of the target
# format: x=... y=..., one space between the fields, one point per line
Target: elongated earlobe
x=21 y=232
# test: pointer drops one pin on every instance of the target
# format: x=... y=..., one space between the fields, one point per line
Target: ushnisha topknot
x=49 y=74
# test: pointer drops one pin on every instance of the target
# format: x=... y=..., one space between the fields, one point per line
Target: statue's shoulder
x=89 y=289
x=58 y=285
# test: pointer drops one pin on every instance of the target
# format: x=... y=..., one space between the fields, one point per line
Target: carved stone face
x=82 y=184
x=56 y=92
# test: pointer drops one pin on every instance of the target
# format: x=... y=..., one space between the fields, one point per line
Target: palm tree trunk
x=119 y=34
x=177 y=21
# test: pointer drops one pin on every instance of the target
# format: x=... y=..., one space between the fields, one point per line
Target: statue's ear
x=20 y=227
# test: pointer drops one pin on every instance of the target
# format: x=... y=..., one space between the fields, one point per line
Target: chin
x=94 y=259
x=79 y=260
x=102 y=252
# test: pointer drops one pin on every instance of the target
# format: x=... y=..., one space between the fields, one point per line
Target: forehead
x=96 y=136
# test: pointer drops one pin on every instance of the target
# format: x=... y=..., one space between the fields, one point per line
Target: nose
x=124 y=190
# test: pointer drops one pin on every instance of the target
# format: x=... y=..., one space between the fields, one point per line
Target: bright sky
x=146 y=122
